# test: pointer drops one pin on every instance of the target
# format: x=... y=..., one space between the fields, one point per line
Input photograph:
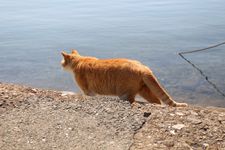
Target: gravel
x=39 y=119
x=33 y=118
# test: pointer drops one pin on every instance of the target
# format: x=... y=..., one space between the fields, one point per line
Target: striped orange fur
x=120 y=77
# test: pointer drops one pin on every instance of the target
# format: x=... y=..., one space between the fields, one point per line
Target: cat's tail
x=154 y=85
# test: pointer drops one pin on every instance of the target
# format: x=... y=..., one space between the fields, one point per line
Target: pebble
x=179 y=113
x=147 y=114
x=221 y=117
x=178 y=126
x=34 y=90
x=14 y=94
x=194 y=120
x=169 y=143
x=194 y=113
x=43 y=139
x=172 y=115
x=67 y=135
x=5 y=96
x=172 y=132
x=1 y=103
x=65 y=93
x=205 y=146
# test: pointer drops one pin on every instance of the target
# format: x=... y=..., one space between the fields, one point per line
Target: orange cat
x=121 y=77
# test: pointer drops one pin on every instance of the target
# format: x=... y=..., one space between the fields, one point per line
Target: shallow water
x=32 y=34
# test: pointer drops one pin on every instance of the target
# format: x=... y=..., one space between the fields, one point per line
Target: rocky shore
x=37 y=119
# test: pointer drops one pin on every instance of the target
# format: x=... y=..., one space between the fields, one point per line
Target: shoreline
x=138 y=98
x=33 y=118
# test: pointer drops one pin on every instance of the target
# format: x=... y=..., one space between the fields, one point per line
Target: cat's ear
x=65 y=55
x=75 y=52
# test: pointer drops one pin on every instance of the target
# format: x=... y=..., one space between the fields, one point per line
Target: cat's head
x=67 y=59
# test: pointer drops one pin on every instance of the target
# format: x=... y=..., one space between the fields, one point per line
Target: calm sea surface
x=33 y=32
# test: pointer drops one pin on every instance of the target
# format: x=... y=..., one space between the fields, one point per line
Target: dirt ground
x=37 y=119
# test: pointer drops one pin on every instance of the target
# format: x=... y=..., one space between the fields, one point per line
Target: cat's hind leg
x=146 y=93
x=89 y=93
x=130 y=98
x=155 y=87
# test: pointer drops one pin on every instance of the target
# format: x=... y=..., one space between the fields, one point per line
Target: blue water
x=33 y=32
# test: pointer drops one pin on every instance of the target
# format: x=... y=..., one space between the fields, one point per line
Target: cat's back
x=113 y=65
x=118 y=63
x=123 y=64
